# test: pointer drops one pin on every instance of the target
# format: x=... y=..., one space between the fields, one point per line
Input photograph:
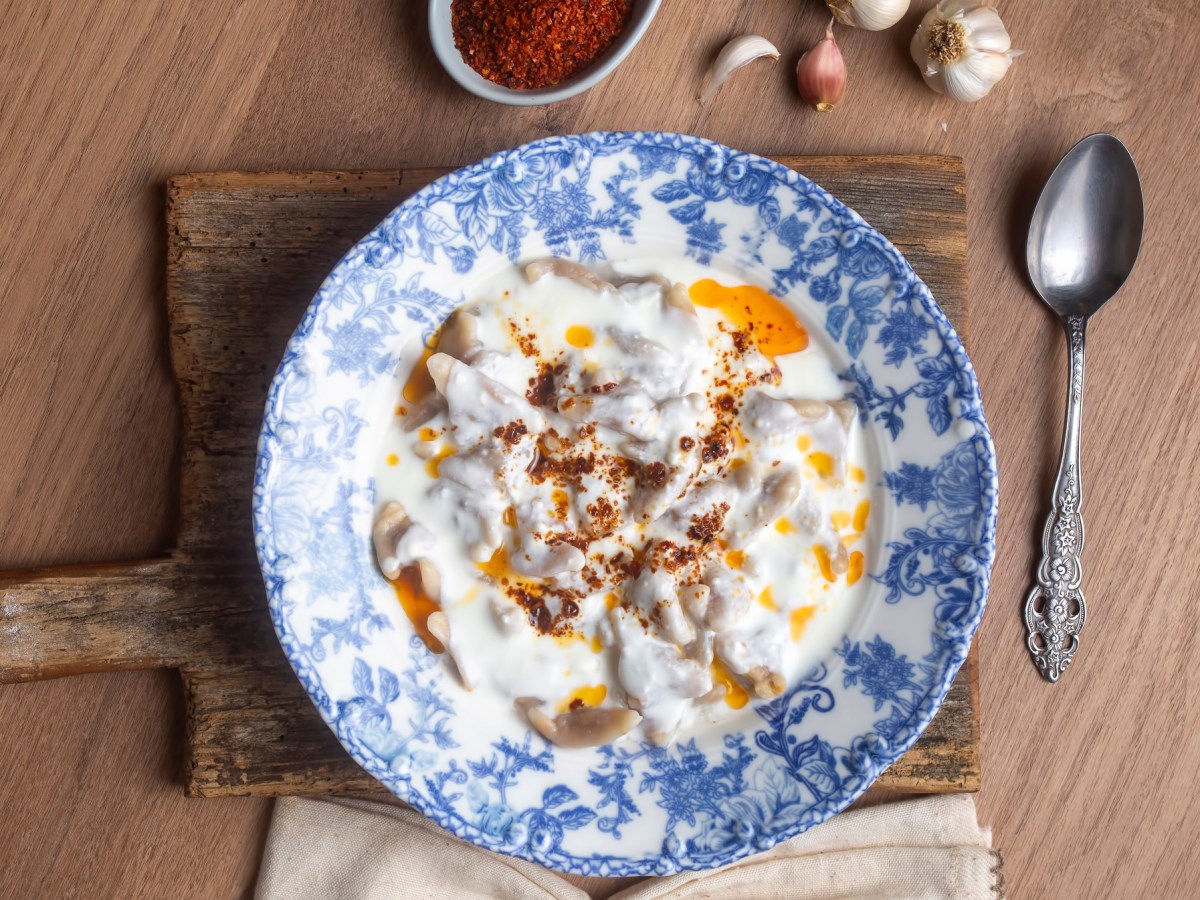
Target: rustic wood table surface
x=1090 y=785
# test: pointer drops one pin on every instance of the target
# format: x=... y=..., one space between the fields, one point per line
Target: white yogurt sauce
x=597 y=582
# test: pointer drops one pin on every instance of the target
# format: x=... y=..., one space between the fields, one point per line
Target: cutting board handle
x=69 y=620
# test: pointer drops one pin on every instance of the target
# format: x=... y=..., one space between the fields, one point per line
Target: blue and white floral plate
x=627 y=809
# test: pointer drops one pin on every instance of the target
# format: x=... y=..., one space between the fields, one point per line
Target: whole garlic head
x=962 y=50
x=869 y=15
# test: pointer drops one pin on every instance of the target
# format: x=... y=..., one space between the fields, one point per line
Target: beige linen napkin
x=351 y=849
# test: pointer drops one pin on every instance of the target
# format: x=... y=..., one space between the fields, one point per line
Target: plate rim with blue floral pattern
x=627 y=808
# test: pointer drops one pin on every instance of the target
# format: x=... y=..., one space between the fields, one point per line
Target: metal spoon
x=1083 y=242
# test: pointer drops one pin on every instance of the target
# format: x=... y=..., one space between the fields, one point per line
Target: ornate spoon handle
x=1055 y=610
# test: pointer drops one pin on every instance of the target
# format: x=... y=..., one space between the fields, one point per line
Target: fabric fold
x=344 y=849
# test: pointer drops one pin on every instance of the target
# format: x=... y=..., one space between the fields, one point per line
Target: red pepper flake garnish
x=655 y=474
x=541 y=387
x=511 y=433
x=705 y=528
x=714 y=447
x=524 y=44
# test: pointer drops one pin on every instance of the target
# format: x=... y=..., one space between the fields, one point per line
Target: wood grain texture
x=246 y=251
x=1089 y=785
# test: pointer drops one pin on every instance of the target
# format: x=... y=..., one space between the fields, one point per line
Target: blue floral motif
x=944 y=555
x=903 y=334
x=883 y=674
x=364 y=722
x=654 y=159
x=630 y=808
x=338 y=551
x=541 y=827
x=863 y=260
x=936 y=383
x=809 y=762
x=357 y=344
x=547 y=825
x=825 y=289
x=911 y=484
x=487 y=792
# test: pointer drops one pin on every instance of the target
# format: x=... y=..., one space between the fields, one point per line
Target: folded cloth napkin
x=350 y=849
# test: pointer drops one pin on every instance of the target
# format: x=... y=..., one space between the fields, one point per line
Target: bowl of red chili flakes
x=533 y=52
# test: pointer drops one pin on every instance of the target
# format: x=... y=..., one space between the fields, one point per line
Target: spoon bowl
x=1087 y=228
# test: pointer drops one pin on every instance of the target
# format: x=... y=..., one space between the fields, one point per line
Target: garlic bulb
x=869 y=15
x=962 y=50
x=821 y=73
x=734 y=55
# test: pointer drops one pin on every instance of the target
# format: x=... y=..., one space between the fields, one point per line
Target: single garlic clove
x=565 y=268
x=869 y=15
x=821 y=74
x=587 y=726
x=459 y=337
x=391 y=523
x=767 y=684
x=438 y=624
x=431 y=579
x=440 y=366
x=734 y=55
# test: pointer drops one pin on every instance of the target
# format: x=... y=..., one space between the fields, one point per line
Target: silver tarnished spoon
x=1083 y=241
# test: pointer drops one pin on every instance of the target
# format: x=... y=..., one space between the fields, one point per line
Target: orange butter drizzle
x=774 y=326
x=417 y=605
x=735 y=695
x=420 y=383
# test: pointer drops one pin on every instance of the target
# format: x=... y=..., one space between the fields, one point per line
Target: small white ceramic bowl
x=442 y=36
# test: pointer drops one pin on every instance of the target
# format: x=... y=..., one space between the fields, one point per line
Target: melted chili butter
x=824 y=563
x=784 y=526
x=588 y=695
x=418 y=606
x=735 y=559
x=735 y=695
x=570 y=637
x=420 y=383
x=822 y=462
x=857 y=473
x=857 y=562
x=392 y=459
x=861 y=512
x=767 y=599
x=773 y=326
x=499 y=568
x=433 y=466
x=530 y=594
x=840 y=519
x=799 y=619
x=580 y=336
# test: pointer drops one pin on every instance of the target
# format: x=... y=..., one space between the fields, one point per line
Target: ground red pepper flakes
x=525 y=44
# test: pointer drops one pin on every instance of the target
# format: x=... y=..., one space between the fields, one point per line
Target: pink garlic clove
x=821 y=74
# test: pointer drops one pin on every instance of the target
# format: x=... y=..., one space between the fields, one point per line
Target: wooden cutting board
x=246 y=254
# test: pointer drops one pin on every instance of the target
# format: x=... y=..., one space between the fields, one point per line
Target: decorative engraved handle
x=1055 y=610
